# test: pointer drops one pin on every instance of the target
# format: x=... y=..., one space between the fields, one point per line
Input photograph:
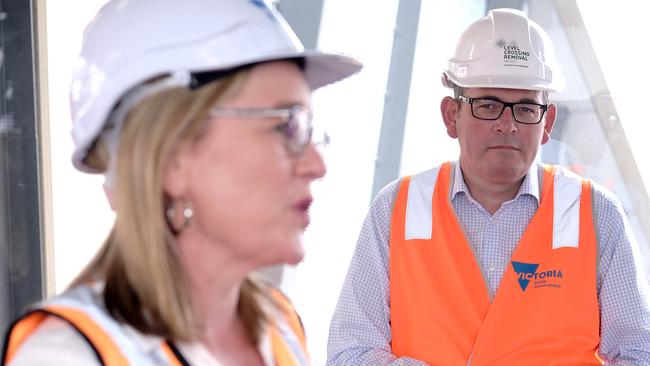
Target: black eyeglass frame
x=470 y=101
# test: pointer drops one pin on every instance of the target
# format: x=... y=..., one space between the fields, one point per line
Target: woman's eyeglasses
x=297 y=126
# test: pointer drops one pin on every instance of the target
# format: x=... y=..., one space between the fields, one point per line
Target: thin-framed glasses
x=491 y=109
x=297 y=127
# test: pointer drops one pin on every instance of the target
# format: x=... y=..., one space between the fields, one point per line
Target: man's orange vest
x=112 y=348
x=545 y=311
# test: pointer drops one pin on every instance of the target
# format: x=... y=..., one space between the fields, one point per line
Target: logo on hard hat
x=514 y=56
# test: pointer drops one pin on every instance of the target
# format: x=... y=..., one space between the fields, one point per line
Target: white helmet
x=132 y=41
x=504 y=49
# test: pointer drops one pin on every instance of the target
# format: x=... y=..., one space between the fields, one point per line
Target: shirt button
x=491 y=269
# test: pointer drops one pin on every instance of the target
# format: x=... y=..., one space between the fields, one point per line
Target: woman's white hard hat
x=132 y=41
x=504 y=49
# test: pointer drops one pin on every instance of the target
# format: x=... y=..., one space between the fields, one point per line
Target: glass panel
x=82 y=217
x=20 y=228
x=620 y=51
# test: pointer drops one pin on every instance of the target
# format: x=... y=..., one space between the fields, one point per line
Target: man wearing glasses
x=495 y=259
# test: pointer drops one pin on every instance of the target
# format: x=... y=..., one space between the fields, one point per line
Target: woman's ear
x=175 y=171
x=449 y=110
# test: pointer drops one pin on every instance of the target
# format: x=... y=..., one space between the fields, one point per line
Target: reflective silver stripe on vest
x=418 y=205
x=566 y=209
x=84 y=299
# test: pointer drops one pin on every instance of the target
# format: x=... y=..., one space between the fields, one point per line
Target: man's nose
x=506 y=123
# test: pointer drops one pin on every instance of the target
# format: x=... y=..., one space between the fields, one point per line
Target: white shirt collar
x=529 y=186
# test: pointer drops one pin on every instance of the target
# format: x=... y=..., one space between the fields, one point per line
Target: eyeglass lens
x=299 y=132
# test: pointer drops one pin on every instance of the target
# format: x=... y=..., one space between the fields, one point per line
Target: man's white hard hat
x=504 y=49
x=132 y=41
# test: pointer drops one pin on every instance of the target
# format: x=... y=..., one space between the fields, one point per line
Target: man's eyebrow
x=522 y=100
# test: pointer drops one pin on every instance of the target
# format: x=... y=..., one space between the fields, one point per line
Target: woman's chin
x=295 y=257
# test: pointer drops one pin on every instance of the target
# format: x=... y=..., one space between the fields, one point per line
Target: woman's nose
x=311 y=163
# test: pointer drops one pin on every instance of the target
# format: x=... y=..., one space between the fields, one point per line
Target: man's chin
x=507 y=171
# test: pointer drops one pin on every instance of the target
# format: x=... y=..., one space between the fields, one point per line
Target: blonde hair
x=144 y=284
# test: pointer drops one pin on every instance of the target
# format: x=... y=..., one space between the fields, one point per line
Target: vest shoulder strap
x=419 y=205
x=567 y=194
x=98 y=328
x=286 y=351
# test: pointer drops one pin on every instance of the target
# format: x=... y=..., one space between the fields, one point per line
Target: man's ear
x=549 y=122
x=449 y=109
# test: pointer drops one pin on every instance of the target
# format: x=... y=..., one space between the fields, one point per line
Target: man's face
x=499 y=151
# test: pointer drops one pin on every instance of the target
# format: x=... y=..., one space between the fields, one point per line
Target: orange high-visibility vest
x=545 y=311
x=113 y=348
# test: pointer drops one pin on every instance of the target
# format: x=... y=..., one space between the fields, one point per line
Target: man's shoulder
x=382 y=203
x=389 y=191
x=603 y=197
x=605 y=201
x=565 y=172
x=387 y=194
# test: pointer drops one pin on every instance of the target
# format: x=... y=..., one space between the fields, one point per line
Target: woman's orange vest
x=107 y=348
x=545 y=311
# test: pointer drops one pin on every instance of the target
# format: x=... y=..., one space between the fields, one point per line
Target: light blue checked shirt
x=360 y=329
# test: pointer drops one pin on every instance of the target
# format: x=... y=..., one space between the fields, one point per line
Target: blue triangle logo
x=525 y=272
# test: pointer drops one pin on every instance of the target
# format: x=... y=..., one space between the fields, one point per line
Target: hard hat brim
x=326 y=68
x=321 y=68
x=506 y=82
